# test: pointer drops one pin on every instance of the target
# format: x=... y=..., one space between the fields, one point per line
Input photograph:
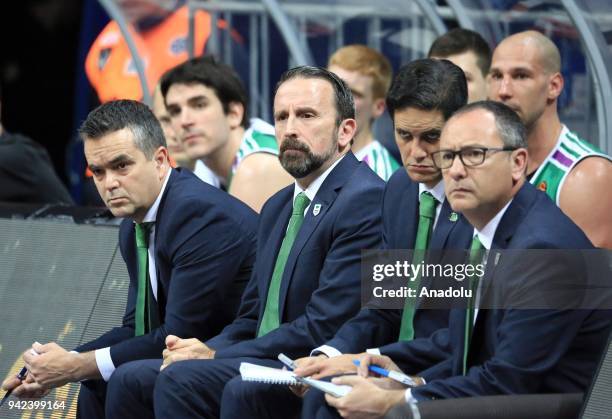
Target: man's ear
x=235 y=113
x=346 y=132
x=519 y=164
x=378 y=107
x=555 y=86
x=162 y=160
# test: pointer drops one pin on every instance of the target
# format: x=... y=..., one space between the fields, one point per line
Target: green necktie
x=143 y=231
x=474 y=259
x=427 y=214
x=271 y=316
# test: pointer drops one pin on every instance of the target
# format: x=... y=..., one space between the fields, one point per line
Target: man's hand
x=365 y=360
x=53 y=366
x=365 y=400
x=26 y=389
x=178 y=349
x=301 y=389
x=321 y=366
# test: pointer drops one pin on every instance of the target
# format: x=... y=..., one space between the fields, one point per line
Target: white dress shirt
x=103 y=356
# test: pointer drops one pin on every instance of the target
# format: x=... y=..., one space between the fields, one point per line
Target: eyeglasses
x=469 y=156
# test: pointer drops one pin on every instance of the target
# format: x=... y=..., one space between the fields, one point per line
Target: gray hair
x=511 y=129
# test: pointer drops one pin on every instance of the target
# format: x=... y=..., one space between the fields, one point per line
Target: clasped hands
x=178 y=349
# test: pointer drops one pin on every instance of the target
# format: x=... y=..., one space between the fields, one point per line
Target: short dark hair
x=214 y=74
x=345 y=105
x=119 y=114
x=430 y=85
x=458 y=41
x=511 y=129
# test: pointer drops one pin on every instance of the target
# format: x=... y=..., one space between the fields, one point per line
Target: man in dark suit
x=423 y=95
x=188 y=278
x=305 y=283
x=27 y=172
x=509 y=340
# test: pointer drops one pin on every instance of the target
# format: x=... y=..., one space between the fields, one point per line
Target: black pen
x=21 y=376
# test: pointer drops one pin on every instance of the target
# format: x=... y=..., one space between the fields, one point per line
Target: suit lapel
x=161 y=280
x=443 y=227
x=409 y=211
x=324 y=198
x=272 y=247
x=512 y=218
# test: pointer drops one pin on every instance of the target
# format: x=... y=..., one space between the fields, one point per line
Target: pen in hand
x=394 y=375
x=20 y=376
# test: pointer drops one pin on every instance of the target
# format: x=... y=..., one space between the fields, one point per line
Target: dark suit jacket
x=27 y=174
x=204 y=252
x=320 y=288
x=518 y=350
x=372 y=328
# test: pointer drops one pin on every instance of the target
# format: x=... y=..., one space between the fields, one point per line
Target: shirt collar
x=151 y=214
x=437 y=191
x=313 y=188
x=488 y=232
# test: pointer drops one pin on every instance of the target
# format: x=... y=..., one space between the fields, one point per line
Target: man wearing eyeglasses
x=423 y=95
x=508 y=340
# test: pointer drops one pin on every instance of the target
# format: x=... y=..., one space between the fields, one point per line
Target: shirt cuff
x=409 y=397
x=326 y=350
x=104 y=363
x=373 y=351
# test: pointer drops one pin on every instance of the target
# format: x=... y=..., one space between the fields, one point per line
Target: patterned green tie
x=271 y=316
x=143 y=231
x=475 y=258
x=427 y=214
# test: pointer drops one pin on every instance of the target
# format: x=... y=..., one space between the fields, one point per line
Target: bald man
x=525 y=75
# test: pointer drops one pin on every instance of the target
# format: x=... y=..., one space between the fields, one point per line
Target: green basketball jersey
x=379 y=159
x=568 y=152
x=259 y=138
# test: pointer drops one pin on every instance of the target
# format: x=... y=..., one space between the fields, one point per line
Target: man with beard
x=305 y=283
x=416 y=215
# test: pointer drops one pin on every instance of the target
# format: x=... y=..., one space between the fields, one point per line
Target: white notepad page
x=258 y=373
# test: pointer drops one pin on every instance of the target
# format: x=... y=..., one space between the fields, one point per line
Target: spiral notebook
x=252 y=372
x=261 y=374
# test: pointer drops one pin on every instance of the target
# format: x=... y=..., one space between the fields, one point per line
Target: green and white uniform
x=569 y=151
x=259 y=138
x=379 y=159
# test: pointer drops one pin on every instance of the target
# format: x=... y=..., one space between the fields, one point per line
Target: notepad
x=261 y=374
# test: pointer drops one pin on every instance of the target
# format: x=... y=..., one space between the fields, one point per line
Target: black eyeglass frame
x=484 y=150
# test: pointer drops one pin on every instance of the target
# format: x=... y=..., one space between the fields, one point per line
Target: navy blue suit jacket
x=518 y=350
x=320 y=288
x=204 y=253
x=372 y=328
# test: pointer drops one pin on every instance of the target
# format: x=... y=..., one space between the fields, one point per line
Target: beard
x=303 y=164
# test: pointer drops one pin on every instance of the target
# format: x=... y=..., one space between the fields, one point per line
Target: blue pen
x=394 y=375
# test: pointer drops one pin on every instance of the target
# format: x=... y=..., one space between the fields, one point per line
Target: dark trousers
x=185 y=389
x=315 y=406
x=91 y=399
x=130 y=390
x=243 y=399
